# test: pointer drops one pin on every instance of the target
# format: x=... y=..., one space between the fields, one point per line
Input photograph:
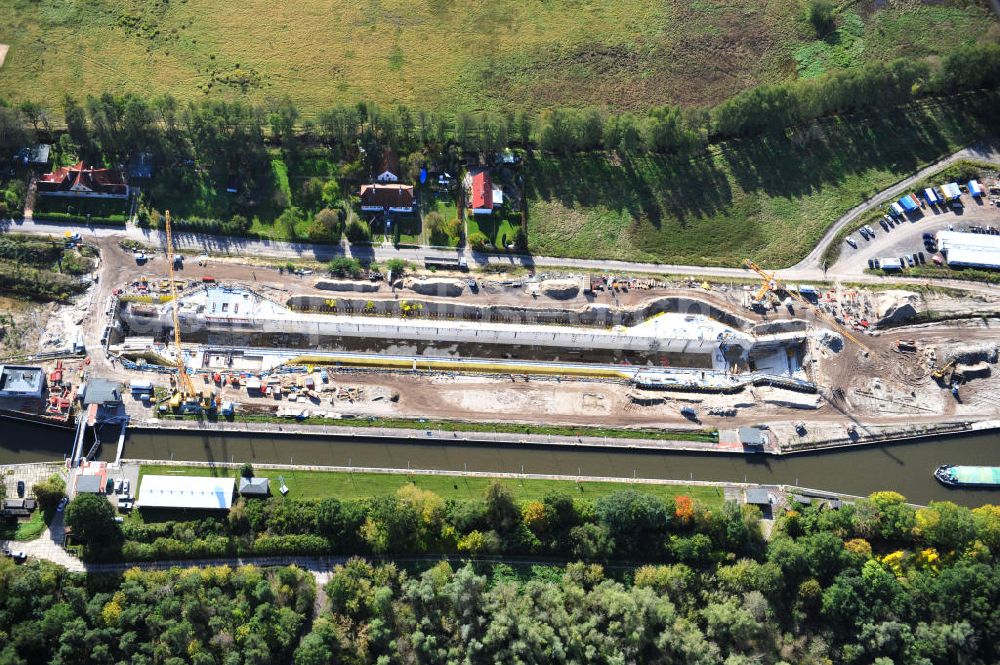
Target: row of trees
x=229 y=137
x=623 y=525
x=627 y=525
x=878 y=583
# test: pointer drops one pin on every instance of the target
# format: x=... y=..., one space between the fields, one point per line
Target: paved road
x=985 y=152
x=809 y=268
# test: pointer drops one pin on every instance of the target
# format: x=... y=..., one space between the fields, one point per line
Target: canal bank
x=906 y=466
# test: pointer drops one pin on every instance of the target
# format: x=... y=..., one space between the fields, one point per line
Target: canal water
x=904 y=467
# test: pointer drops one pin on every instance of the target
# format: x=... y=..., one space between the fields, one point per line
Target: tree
x=35 y=114
x=246 y=471
x=437 y=234
x=50 y=492
x=636 y=521
x=92 y=519
x=820 y=15
x=533 y=513
x=358 y=232
x=502 y=512
x=325 y=225
x=330 y=519
x=521 y=239
x=987 y=523
x=331 y=193
x=13 y=134
x=591 y=541
x=945 y=525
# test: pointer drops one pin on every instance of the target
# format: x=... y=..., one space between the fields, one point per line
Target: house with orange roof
x=83 y=181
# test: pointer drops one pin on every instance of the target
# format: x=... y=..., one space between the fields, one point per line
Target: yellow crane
x=772 y=283
x=769 y=284
x=184 y=386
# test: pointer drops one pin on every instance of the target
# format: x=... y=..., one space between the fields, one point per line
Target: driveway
x=48 y=546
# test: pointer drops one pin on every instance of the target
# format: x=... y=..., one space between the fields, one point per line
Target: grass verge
x=942 y=272
x=703 y=435
x=362 y=485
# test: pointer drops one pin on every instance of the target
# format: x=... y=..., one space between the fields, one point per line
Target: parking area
x=29 y=474
x=126 y=486
x=906 y=237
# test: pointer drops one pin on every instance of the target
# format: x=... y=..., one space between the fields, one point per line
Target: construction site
x=764 y=364
x=807 y=362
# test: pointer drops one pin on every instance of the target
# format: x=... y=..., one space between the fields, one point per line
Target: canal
x=904 y=467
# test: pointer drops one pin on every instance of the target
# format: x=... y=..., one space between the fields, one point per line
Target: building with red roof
x=484 y=196
x=391 y=198
x=81 y=180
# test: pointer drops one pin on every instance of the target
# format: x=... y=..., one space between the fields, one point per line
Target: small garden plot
x=58 y=207
x=500 y=228
x=441 y=223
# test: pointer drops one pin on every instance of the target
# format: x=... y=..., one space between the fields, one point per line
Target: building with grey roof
x=21 y=381
x=254 y=486
x=101 y=391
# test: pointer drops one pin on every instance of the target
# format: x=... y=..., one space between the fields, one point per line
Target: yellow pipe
x=456 y=366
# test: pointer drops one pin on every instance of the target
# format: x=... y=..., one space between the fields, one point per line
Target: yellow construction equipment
x=184 y=385
x=941 y=371
x=772 y=283
x=769 y=284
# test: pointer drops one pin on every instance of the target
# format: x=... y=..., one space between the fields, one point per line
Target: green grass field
x=29 y=529
x=500 y=230
x=361 y=485
x=767 y=199
x=448 y=55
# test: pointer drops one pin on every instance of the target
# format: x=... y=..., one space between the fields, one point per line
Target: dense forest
x=879 y=582
x=199 y=616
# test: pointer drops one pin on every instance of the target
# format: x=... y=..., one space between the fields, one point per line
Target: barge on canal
x=968 y=476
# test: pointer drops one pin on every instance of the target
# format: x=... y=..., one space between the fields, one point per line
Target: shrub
x=820 y=15
x=397 y=267
x=358 y=232
x=290 y=544
x=478 y=241
x=344 y=266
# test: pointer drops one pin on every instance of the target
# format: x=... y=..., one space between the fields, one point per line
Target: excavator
x=185 y=396
x=772 y=283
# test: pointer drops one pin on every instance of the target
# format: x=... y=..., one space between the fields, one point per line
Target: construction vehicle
x=768 y=286
x=906 y=346
x=940 y=372
x=772 y=283
x=186 y=397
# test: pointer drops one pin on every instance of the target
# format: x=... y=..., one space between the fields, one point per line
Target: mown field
x=449 y=55
x=767 y=199
x=362 y=485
